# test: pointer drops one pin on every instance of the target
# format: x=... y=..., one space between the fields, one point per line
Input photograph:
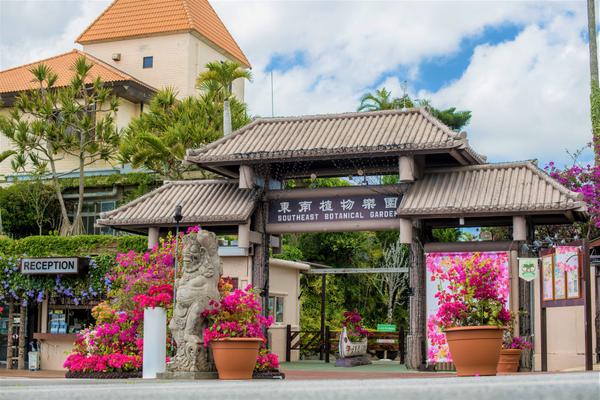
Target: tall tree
x=390 y=285
x=382 y=99
x=157 y=140
x=49 y=123
x=219 y=77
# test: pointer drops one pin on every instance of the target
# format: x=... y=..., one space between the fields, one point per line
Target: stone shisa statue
x=196 y=287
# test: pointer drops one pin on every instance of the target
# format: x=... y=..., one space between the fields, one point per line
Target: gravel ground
x=563 y=386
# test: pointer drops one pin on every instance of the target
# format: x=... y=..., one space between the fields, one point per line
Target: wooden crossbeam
x=325 y=271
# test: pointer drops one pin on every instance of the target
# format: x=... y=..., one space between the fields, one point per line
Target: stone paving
x=569 y=386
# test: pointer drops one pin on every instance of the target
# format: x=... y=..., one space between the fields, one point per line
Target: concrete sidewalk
x=565 y=386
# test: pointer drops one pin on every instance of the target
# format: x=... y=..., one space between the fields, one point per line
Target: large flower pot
x=235 y=358
x=475 y=350
x=509 y=360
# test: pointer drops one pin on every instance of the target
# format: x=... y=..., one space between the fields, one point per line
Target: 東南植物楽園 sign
x=50 y=265
x=335 y=208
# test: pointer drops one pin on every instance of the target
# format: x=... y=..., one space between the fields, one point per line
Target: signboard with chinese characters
x=335 y=208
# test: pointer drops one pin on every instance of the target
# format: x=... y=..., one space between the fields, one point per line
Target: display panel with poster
x=548 y=277
x=561 y=274
x=437 y=264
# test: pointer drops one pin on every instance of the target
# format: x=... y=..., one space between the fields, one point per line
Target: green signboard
x=386 y=327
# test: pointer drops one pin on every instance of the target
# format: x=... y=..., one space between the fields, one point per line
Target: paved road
x=565 y=386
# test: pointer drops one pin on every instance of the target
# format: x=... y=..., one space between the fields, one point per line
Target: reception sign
x=334 y=208
x=55 y=265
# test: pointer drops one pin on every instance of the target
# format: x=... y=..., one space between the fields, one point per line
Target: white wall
x=178 y=59
x=127 y=111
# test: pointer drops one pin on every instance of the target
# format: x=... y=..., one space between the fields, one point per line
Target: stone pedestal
x=185 y=375
x=352 y=361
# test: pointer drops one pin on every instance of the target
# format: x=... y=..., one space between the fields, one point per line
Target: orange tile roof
x=20 y=78
x=138 y=18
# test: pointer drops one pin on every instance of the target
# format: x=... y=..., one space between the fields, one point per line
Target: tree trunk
x=595 y=91
x=390 y=306
x=591 y=6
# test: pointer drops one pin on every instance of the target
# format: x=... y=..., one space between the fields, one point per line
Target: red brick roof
x=20 y=78
x=137 y=18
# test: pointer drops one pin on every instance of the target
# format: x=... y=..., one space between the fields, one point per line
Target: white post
x=152 y=236
x=406 y=231
x=244 y=235
x=406 y=166
x=246 y=177
x=155 y=342
x=519 y=228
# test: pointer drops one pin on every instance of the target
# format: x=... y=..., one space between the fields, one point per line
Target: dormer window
x=148 y=62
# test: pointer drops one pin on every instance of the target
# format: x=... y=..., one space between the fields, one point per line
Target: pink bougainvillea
x=239 y=314
x=584 y=179
x=465 y=289
x=353 y=324
x=137 y=281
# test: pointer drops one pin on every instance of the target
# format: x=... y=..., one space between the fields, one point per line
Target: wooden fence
x=312 y=341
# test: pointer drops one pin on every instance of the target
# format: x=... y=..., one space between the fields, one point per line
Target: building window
x=234 y=282
x=148 y=62
x=90 y=212
x=276 y=308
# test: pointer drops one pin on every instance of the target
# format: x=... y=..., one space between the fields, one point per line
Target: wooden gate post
x=327 y=343
x=288 y=343
x=415 y=351
x=22 y=337
x=323 y=301
x=9 y=341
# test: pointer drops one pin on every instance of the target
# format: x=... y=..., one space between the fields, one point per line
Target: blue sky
x=521 y=67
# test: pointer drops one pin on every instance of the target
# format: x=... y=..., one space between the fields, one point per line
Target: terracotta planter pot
x=235 y=358
x=475 y=350
x=509 y=360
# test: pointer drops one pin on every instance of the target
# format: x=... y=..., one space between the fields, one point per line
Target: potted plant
x=353 y=339
x=510 y=355
x=236 y=332
x=473 y=314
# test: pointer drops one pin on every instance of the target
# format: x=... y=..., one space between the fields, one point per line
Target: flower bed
x=113 y=347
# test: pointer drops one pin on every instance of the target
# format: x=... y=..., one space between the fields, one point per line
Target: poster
x=567 y=261
x=548 y=277
x=560 y=284
x=436 y=264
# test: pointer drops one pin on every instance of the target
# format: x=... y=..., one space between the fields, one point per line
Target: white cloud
x=33 y=30
x=520 y=91
x=529 y=96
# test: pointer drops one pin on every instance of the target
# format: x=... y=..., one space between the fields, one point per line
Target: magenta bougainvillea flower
x=354 y=328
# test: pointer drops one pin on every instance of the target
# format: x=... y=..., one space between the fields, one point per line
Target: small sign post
x=386 y=327
x=528 y=268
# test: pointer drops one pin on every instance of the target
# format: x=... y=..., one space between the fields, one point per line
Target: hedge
x=91 y=286
x=84 y=245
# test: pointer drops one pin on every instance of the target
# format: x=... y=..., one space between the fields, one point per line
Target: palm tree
x=382 y=100
x=219 y=77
